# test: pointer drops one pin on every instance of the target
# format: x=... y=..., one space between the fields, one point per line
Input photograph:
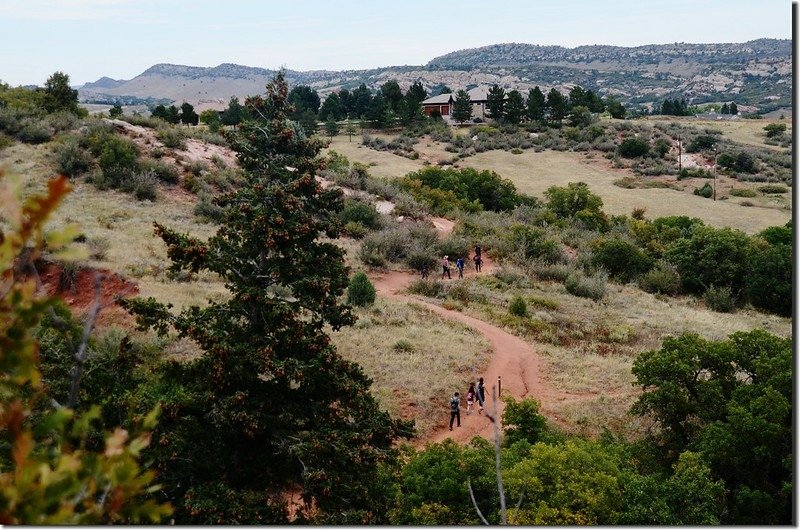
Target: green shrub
x=712 y=256
x=143 y=186
x=172 y=137
x=769 y=282
x=593 y=287
x=663 y=278
x=163 y=171
x=576 y=201
x=429 y=288
x=418 y=258
x=719 y=299
x=633 y=147
x=62 y=121
x=695 y=172
x=355 y=229
x=518 y=307
x=778 y=235
x=557 y=272
x=208 y=210
x=706 y=190
x=469 y=185
x=34 y=132
x=360 y=212
x=5 y=141
x=522 y=421
x=622 y=259
x=453 y=246
x=71 y=159
x=775 y=129
x=773 y=188
x=701 y=143
x=360 y=292
x=743 y=192
x=118 y=160
x=197 y=167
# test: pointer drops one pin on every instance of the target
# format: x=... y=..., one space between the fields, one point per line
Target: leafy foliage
x=486 y=188
x=730 y=401
x=277 y=407
x=50 y=473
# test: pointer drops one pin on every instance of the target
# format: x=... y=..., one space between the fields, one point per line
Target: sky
x=88 y=39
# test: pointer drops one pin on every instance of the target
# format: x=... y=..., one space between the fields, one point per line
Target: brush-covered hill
x=756 y=73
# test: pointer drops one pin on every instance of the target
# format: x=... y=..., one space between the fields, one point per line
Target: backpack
x=454 y=403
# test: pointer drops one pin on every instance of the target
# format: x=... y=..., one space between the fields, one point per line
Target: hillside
x=754 y=73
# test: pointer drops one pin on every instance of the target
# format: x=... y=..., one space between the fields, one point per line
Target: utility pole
x=715 y=172
x=680 y=155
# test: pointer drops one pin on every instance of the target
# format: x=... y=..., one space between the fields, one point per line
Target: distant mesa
x=757 y=73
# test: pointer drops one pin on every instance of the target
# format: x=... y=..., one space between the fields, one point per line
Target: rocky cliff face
x=756 y=73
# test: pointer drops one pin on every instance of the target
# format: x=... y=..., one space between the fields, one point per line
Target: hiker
x=478 y=250
x=481 y=394
x=470 y=397
x=446 y=267
x=477 y=260
x=424 y=271
x=455 y=410
x=460 y=267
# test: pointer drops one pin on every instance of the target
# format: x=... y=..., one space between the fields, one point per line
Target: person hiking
x=470 y=397
x=455 y=410
x=460 y=267
x=446 y=267
x=477 y=259
x=481 y=394
x=425 y=271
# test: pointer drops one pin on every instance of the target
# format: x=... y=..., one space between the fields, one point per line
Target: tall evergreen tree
x=615 y=108
x=577 y=97
x=303 y=98
x=361 y=99
x=234 y=114
x=188 y=116
x=724 y=109
x=392 y=94
x=495 y=103
x=733 y=108
x=269 y=407
x=376 y=110
x=462 y=108
x=332 y=108
x=514 y=108
x=594 y=102
x=557 y=106
x=537 y=105
x=347 y=102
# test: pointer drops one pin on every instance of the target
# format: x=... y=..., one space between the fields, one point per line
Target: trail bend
x=512 y=359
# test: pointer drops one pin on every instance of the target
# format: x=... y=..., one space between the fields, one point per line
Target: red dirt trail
x=512 y=358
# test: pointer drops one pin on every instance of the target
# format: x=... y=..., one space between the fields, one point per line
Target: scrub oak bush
x=518 y=307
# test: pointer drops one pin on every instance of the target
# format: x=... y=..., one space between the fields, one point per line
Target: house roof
x=478 y=93
x=439 y=100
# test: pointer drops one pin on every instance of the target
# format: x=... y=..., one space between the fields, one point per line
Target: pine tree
x=331 y=127
x=733 y=109
x=269 y=407
x=557 y=105
x=495 y=103
x=514 y=108
x=724 y=109
x=536 y=104
x=462 y=108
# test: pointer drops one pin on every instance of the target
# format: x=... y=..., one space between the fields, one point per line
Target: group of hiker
x=473 y=394
x=459 y=265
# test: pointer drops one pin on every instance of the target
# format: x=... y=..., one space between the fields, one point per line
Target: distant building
x=716 y=116
x=443 y=103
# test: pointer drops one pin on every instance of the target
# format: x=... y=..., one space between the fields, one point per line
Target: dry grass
x=382 y=163
x=127 y=224
x=534 y=172
x=749 y=132
x=591 y=355
x=415 y=358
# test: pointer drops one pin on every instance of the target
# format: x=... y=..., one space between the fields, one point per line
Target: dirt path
x=514 y=360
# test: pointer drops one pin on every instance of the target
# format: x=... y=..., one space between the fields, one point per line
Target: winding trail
x=513 y=359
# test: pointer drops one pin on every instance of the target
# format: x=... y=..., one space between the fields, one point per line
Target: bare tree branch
x=496 y=423
x=474 y=503
x=80 y=355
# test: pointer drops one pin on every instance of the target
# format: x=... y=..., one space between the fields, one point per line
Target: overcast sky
x=88 y=39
